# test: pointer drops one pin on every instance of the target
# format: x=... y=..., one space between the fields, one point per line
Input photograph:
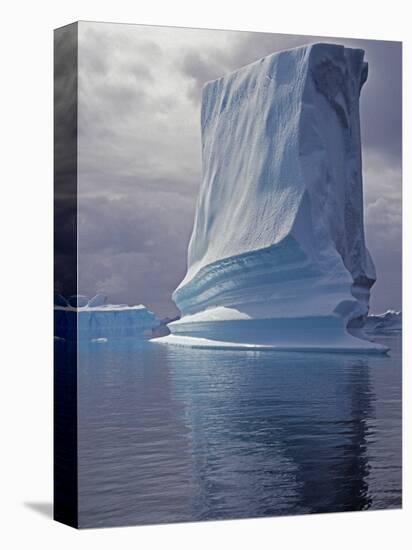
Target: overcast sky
x=139 y=153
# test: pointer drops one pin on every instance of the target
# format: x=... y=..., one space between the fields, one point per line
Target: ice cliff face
x=104 y=321
x=277 y=256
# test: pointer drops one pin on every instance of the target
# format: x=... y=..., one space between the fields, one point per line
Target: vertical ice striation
x=277 y=256
x=95 y=321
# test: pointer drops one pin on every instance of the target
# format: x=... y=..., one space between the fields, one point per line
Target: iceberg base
x=312 y=334
x=204 y=343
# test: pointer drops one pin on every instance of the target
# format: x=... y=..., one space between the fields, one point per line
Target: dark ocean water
x=171 y=434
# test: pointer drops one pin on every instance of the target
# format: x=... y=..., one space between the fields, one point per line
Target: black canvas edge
x=65 y=431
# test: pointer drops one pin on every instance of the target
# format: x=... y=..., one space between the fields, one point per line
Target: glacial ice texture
x=277 y=257
x=100 y=322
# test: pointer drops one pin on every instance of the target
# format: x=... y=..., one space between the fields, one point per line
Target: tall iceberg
x=277 y=258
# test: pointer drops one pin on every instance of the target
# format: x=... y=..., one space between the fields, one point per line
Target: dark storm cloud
x=65 y=107
x=124 y=256
x=65 y=159
x=201 y=68
x=381 y=102
x=139 y=152
x=383 y=227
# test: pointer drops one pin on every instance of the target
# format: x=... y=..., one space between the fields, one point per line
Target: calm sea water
x=171 y=434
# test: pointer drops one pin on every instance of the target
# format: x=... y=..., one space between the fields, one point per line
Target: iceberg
x=78 y=300
x=98 y=300
x=60 y=300
x=277 y=258
x=162 y=329
x=388 y=322
x=101 y=322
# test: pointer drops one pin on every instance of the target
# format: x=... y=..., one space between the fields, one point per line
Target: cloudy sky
x=139 y=153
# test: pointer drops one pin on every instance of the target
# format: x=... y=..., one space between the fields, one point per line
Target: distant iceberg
x=277 y=257
x=98 y=323
x=98 y=300
x=388 y=322
x=78 y=300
